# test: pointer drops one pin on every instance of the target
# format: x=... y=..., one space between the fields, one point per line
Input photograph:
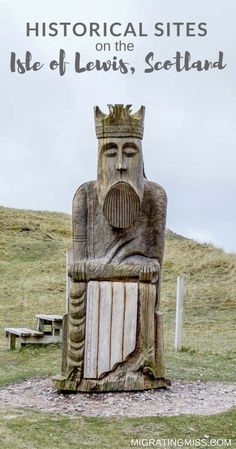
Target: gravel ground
x=182 y=397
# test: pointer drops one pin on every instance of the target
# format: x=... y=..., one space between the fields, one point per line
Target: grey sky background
x=47 y=140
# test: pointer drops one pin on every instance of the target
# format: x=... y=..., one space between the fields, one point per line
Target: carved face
x=120 y=176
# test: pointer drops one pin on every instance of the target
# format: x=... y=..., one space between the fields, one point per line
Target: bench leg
x=40 y=325
x=55 y=331
x=11 y=341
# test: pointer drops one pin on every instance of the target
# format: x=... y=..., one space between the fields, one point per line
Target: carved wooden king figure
x=113 y=335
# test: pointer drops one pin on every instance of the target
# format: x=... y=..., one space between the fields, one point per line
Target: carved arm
x=87 y=270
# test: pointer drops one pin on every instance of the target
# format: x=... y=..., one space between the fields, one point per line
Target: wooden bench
x=23 y=333
x=53 y=321
x=28 y=336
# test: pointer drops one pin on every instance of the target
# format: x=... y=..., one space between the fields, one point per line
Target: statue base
x=131 y=382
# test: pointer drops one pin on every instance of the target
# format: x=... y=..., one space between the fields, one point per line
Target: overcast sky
x=47 y=139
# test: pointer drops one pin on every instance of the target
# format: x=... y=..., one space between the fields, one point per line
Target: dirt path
x=182 y=397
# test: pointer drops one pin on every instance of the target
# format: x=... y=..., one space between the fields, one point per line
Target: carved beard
x=121 y=205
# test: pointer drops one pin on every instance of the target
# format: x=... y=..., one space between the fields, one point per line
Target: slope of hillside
x=32 y=269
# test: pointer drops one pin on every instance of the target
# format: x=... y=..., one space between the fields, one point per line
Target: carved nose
x=121 y=165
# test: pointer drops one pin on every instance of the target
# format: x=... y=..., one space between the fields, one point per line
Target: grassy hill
x=32 y=268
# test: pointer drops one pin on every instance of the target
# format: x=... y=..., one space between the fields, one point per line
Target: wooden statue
x=113 y=336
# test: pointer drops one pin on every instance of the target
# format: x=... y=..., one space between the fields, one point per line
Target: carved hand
x=150 y=271
x=77 y=271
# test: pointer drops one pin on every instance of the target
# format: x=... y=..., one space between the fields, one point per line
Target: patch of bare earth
x=182 y=397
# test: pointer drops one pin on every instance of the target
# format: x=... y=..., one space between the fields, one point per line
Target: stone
x=113 y=330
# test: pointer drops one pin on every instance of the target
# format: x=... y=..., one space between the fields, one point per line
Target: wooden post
x=40 y=325
x=11 y=341
x=69 y=260
x=179 y=314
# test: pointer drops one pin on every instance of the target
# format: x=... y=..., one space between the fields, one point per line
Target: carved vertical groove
x=77 y=320
x=121 y=205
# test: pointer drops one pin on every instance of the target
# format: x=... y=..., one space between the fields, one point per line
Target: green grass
x=209 y=310
x=34 y=430
x=29 y=362
x=32 y=268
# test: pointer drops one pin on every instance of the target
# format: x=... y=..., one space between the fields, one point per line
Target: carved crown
x=119 y=122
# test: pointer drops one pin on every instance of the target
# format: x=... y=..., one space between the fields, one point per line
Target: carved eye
x=111 y=152
x=129 y=151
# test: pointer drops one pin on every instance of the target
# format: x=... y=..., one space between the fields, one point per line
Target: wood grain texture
x=92 y=330
x=117 y=325
x=111 y=326
x=130 y=318
x=105 y=316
